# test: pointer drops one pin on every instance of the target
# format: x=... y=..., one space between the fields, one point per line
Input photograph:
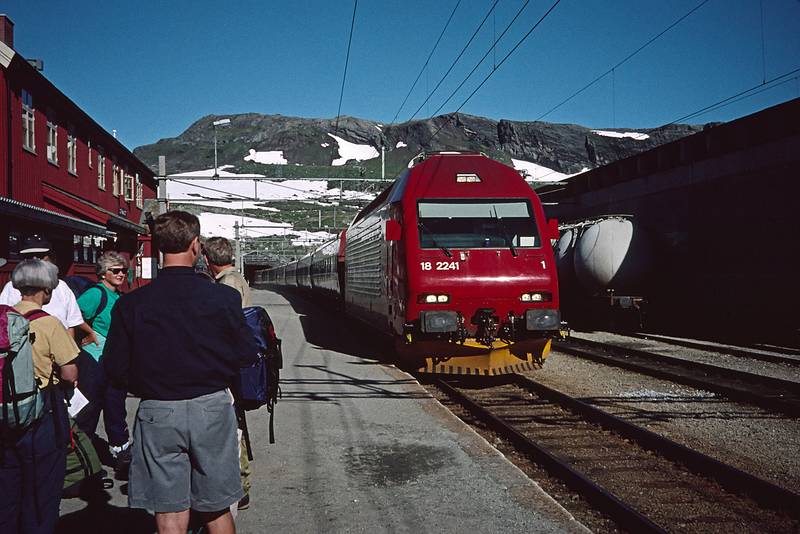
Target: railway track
x=772 y=355
x=774 y=394
x=642 y=481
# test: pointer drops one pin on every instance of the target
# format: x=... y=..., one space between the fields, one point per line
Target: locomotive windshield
x=476 y=223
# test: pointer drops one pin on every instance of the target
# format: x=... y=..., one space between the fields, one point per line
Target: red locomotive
x=454 y=260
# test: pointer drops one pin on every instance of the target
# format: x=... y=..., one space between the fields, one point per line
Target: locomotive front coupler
x=487 y=324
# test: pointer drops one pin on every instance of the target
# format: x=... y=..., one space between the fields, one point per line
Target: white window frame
x=101 y=171
x=115 y=185
x=127 y=187
x=52 y=139
x=28 y=121
x=72 y=151
x=139 y=191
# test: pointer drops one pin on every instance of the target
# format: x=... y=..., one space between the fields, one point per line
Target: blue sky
x=150 y=69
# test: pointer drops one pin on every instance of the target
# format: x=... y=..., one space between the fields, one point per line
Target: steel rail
x=735 y=480
x=625 y=516
x=787 y=385
x=722 y=349
x=776 y=401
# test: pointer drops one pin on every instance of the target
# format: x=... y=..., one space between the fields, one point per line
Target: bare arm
x=69 y=373
x=89 y=334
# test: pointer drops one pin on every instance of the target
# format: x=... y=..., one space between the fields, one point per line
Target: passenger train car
x=453 y=260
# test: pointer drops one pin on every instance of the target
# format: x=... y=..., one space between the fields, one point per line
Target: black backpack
x=80 y=285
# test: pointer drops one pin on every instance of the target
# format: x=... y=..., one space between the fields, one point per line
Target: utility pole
x=163 y=205
x=383 y=162
x=238 y=253
x=319 y=219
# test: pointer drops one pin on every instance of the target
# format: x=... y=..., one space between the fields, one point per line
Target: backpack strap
x=103 y=303
x=35 y=314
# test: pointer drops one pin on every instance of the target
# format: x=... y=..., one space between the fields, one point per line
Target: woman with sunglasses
x=96 y=304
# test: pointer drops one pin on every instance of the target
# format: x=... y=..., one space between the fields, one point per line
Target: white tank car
x=611 y=254
x=565 y=257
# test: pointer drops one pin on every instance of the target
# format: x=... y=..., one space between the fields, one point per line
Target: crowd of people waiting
x=176 y=344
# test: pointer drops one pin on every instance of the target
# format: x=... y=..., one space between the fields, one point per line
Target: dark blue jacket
x=177 y=338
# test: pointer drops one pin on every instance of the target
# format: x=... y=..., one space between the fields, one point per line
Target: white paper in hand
x=77 y=403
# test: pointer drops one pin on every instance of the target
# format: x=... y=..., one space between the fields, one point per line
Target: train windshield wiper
x=435 y=244
x=506 y=233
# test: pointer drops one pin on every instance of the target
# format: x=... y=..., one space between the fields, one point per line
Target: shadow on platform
x=121 y=520
x=326 y=326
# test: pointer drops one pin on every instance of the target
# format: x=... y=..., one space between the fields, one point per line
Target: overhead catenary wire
x=424 y=65
x=491 y=72
x=480 y=61
x=625 y=60
x=741 y=95
x=455 y=61
x=346 y=63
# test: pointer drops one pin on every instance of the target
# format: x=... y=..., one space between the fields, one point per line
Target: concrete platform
x=361 y=447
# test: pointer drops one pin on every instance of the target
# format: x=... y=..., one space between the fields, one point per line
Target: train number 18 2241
x=439 y=265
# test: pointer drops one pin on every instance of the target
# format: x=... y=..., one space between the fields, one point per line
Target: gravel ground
x=759 y=442
x=774 y=370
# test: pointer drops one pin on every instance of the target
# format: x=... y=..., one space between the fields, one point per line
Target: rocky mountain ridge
x=307 y=146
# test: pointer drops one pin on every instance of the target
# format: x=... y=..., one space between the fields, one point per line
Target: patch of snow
x=324 y=145
x=209 y=173
x=348 y=151
x=539 y=173
x=400 y=144
x=221 y=224
x=234 y=204
x=270 y=157
x=378 y=126
x=633 y=135
x=243 y=192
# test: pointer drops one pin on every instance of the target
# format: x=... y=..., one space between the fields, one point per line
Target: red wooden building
x=64 y=177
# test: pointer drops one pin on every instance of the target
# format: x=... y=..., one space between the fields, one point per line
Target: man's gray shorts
x=185 y=455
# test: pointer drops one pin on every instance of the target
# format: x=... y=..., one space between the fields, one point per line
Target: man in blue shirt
x=178 y=343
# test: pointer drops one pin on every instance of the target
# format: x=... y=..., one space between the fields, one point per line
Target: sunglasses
x=118 y=270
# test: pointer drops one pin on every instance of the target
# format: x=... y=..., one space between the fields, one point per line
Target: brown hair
x=175 y=231
x=218 y=250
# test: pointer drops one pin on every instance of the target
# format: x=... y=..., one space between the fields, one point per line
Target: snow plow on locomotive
x=454 y=261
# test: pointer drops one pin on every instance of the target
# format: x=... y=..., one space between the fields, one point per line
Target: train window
x=476 y=223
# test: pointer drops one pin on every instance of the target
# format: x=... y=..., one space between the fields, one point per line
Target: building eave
x=15 y=208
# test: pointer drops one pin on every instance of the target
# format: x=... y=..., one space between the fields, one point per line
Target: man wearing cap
x=62 y=304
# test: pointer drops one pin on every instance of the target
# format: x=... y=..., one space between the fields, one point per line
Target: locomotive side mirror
x=552 y=227
x=393 y=230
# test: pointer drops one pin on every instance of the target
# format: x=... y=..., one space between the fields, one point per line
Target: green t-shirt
x=89 y=301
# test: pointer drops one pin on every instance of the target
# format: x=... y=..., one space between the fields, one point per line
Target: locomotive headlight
x=427 y=298
x=536 y=297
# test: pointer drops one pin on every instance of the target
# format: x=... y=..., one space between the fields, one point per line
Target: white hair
x=29 y=276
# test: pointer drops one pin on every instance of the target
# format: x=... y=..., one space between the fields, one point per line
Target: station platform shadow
x=325 y=325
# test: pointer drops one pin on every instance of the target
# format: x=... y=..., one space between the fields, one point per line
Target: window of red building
x=72 y=151
x=52 y=138
x=28 y=122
